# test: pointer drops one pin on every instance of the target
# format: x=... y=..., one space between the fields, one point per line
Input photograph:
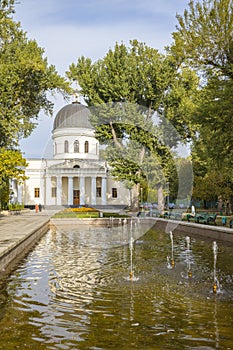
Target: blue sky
x=69 y=29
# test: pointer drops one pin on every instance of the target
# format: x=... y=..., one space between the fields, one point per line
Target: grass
x=83 y=212
x=80 y=215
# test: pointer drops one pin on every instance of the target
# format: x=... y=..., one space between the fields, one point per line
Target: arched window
x=86 y=147
x=55 y=148
x=76 y=146
x=66 y=146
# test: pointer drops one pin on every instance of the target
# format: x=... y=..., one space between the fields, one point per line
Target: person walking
x=36 y=208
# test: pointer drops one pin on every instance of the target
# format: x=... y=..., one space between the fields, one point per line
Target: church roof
x=73 y=115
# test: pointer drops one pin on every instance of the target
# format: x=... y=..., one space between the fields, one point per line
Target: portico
x=74 y=189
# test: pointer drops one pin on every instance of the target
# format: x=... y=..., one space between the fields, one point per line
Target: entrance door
x=76 y=197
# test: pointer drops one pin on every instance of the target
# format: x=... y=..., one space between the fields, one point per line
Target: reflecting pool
x=75 y=290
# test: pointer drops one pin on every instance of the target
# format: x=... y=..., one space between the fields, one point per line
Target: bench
x=202 y=218
x=155 y=213
x=151 y=213
x=172 y=215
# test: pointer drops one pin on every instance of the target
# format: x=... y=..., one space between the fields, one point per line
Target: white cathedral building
x=75 y=175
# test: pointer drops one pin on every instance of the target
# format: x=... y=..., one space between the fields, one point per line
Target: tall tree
x=204 y=41
x=138 y=80
x=25 y=80
x=204 y=36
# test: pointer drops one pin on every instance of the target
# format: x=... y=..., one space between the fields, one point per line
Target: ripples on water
x=73 y=291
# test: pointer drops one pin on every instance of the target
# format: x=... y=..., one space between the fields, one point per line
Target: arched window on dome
x=76 y=146
x=55 y=148
x=86 y=147
x=66 y=146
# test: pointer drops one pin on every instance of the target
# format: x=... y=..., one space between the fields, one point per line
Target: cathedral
x=75 y=175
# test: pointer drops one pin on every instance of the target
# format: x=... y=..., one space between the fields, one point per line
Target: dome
x=74 y=115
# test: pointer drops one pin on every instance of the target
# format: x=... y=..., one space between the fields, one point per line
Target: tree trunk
x=135 y=197
x=220 y=203
x=160 y=197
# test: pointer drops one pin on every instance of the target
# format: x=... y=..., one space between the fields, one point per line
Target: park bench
x=151 y=213
x=172 y=215
x=202 y=218
x=155 y=213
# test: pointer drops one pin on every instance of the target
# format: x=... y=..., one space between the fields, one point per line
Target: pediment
x=78 y=164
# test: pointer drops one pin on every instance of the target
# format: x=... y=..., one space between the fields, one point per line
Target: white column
x=70 y=190
x=20 y=193
x=59 y=190
x=93 y=190
x=48 y=190
x=104 y=185
x=42 y=190
x=14 y=197
x=82 y=189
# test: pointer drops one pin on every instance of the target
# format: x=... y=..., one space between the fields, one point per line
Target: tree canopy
x=204 y=41
x=131 y=87
x=25 y=80
x=204 y=36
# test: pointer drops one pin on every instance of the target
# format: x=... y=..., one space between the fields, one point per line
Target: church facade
x=75 y=175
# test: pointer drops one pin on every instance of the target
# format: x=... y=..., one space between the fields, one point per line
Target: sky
x=73 y=28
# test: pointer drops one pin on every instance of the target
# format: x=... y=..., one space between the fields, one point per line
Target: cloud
x=96 y=11
x=64 y=44
x=69 y=29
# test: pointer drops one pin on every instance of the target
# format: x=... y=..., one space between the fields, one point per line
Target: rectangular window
x=54 y=192
x=98 y=191
x=114 y=192
x=36 y=192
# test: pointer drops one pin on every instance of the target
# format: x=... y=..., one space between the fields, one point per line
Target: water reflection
x=72 y=293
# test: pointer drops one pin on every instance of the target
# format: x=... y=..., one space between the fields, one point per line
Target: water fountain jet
x=131 y=274
x=188 y=257
x=172 y=263
x=216 y=283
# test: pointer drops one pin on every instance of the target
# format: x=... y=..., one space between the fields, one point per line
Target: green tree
x=204 y=41
x=130 y=86
x=25 y=80
x=12 y=167
x=204 y=36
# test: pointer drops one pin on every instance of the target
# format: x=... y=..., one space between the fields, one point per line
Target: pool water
x=73 y=291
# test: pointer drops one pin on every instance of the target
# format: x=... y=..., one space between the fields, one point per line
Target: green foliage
x=204 y=36
x=133 y=88
x=12 y=166
x=25 y=80
x=15 y=206
x=213 y=186
x=4 y=194
x=136 y=74
x=204 y=41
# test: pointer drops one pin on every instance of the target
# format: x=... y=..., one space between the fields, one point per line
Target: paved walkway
x=14 y=228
